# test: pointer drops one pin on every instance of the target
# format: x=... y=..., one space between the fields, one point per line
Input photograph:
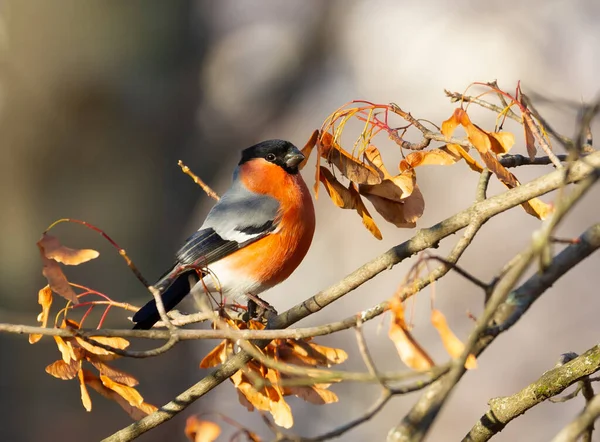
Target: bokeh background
x=99 y=99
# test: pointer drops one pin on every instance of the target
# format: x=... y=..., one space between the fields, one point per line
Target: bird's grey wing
x=238 y=219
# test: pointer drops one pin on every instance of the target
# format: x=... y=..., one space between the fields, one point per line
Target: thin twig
x=211 y=193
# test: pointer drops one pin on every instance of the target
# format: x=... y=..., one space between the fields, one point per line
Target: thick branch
x=505 y=409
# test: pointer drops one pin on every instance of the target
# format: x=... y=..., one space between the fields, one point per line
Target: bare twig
x=211 y=193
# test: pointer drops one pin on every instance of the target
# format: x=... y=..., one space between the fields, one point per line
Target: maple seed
x=270 y=397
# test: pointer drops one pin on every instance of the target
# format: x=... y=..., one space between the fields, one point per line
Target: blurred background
x=99 y=99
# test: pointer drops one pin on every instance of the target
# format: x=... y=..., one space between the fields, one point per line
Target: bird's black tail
x=171 y=295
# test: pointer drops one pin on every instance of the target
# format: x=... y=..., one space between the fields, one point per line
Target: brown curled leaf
x=56 y=278
x=348 y=198
x=352 y=168
x=53 y=249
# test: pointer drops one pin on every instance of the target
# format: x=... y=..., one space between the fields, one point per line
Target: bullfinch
x=251 y=240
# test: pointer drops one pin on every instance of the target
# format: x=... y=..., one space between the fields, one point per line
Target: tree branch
x=505 y=409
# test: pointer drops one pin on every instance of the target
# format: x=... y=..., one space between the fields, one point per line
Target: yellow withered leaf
x=197 y=430
x=409 y=350
x=130 y=394
x=85 y=395
x=452 y=344
x=45 y=300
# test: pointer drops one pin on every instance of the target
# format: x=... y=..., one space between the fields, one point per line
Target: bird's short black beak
x=293 y=158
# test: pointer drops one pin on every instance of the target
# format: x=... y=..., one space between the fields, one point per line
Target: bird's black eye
x=270 y=157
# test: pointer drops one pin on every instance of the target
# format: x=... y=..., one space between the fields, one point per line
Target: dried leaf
x=502 y=142
x=254 y=397
x=53 y=249
x=66 y=349
x=312 y=394
x=136 y=413
x=401 y=214
x=115 y=342
x=308 y=148
x=282 y=414
x=452 y=344
x=529 y=125
x=347 y=198
x=535 y=206
x=61 y=370
x=56 y=278
x=409 y=350
x=309 y=354
x=352 y=168
x=197 y=430
x=450 y=125
x=85 y=395
x=115 y=374
x=217 y=356
x=130 y=394
x=45 y=300
x=459 y=150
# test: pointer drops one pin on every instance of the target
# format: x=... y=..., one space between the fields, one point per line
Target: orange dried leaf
x=130 y=394
x=66 y=349
x=254 y=397
x=312 y=394
x=333 y=356
x=459 y=150
x=338 y=193
x=53 y=249
x=45 y=300
x=136 y=412
x=115 y=374
x=85 y=395
x=450 y=125
x=536 y=207
x=61 y=370
x=409 y=350
x=452 y=344
x=282 y=413
x=308 y=148
x=348 y=198
x=502 y=142
x=401 y=214
x=217 y=356
x=197 y=430
x=352 y=168
x=115 y=342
